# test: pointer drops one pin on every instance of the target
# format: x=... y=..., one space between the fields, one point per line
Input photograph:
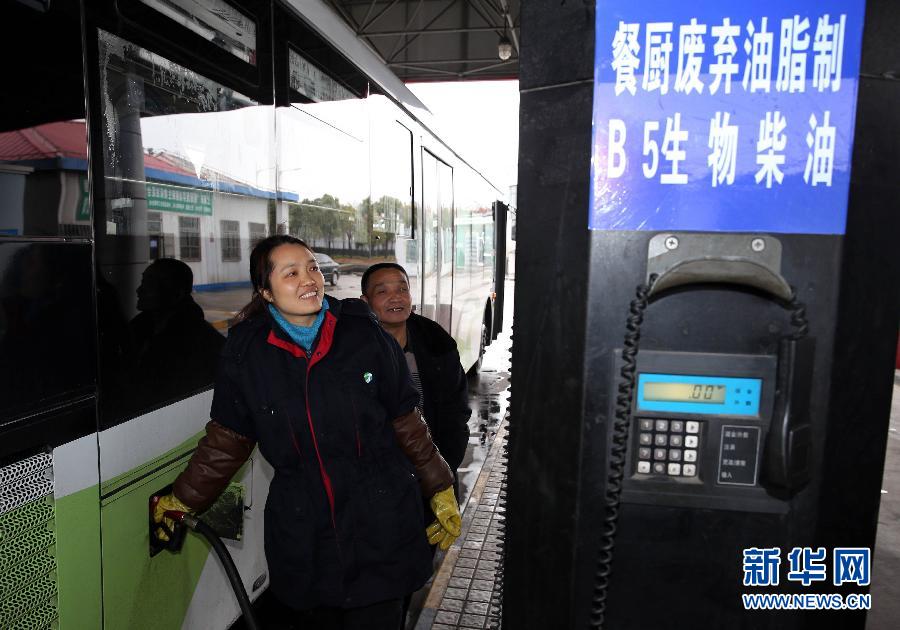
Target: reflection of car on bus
x=172 y=132
x=329 y=268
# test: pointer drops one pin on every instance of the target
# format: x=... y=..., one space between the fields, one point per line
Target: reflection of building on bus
x=192 y=148
x=209 y=222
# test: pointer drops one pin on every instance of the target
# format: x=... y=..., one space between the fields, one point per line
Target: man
x=432 y=358
x=434 y=366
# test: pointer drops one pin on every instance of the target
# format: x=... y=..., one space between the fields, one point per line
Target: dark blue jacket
x=343 y=520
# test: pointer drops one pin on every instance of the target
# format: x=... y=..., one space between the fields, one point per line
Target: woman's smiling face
x=297 y=285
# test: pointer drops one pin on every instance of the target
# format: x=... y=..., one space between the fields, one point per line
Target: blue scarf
x=303 y=336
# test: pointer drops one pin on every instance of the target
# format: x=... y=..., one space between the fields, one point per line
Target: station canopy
x=439 y=40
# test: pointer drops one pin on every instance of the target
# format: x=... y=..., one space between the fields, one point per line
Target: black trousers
x=381 y=616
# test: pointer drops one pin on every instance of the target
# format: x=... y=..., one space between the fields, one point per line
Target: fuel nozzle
x=182 y=518
x=164 y=536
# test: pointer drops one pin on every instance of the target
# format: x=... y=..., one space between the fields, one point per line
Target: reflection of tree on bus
x=325 y=219
x=389 y=217
x=327 y=395
x=344 y=229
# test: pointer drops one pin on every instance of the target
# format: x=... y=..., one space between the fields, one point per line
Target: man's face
x=388 y=296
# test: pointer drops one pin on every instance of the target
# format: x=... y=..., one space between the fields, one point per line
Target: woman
x=327 y=395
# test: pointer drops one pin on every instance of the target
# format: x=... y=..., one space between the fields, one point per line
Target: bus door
x=437 y=238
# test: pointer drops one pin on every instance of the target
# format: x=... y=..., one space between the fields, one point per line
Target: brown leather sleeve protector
x=220 y=453
x=415 y=440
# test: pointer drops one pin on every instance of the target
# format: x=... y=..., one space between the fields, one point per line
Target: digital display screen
x=693 y=393
x=685 y=392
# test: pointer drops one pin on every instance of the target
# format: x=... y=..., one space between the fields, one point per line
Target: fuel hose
x=195 y=524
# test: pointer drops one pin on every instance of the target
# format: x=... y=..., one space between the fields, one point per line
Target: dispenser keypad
x=668 y=447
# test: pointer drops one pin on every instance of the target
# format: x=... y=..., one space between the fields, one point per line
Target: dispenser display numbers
x=696 y=394
x=685 y=392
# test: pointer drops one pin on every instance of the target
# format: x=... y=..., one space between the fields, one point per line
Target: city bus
x=145 y=147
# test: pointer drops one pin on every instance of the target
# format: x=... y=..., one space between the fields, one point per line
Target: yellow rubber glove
x=166 y=503
x=437 y=535
x=445 y=508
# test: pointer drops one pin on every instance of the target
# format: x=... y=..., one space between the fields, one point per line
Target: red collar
x=321 y=348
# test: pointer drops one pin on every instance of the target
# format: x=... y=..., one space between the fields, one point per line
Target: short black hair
x=378 y=267
x=175 y=275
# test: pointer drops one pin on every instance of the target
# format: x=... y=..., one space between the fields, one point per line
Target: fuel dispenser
x=702 y=357
x=714 y=430
x=707 y=430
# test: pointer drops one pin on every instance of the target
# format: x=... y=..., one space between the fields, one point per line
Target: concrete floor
x=885 y=613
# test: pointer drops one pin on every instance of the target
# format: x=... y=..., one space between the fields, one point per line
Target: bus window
x=392 y=190
x=188 y=179
x=324 y=172
x=217 y=21
x=46 y=308
x=43 y=140
x=392 y=181
x=323 y=157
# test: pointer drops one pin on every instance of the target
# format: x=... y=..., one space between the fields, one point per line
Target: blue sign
x=726 y=117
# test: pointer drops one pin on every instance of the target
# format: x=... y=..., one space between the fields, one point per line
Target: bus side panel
x=77 y=505
x=140 y=591
x=188 y=589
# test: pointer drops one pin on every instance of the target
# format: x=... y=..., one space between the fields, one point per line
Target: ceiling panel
x=438 y=40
